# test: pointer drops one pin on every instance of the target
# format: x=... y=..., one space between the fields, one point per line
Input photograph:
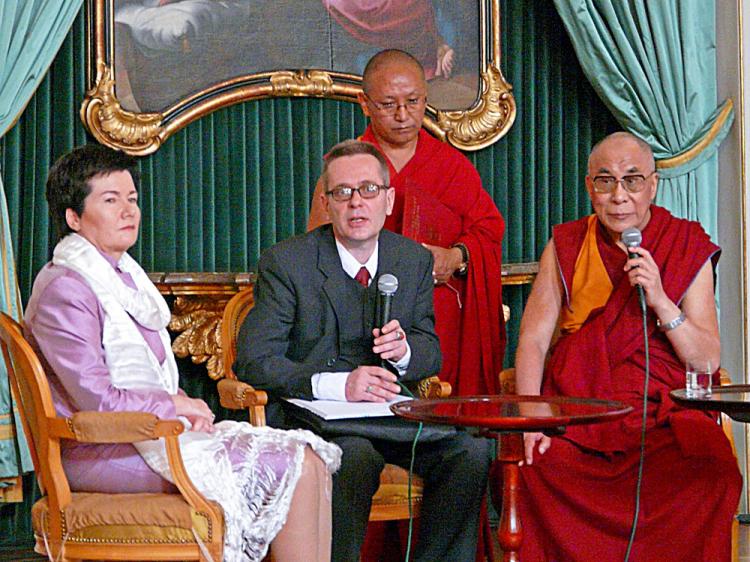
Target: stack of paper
x=336 y=410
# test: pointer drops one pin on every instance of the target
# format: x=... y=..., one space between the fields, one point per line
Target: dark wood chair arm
x=433 y=387
x=507 y=378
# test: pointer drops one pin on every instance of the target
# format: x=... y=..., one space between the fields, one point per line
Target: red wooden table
x=511 y=415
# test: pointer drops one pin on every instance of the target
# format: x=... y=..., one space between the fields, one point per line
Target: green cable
x=411 y=471
x=643 y=440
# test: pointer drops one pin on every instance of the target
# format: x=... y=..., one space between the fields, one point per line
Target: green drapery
x=238 y=180
x=31 y=32
x=654 y=65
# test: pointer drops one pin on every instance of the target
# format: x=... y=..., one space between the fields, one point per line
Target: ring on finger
x=399 y=335
x=369 y=389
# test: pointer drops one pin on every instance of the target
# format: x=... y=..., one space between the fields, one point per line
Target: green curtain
x=31 y=32
x=654 y=65
x=235 y=182
x=15 y=458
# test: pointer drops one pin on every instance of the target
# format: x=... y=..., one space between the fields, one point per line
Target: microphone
x=632 y=238
x=387 y=287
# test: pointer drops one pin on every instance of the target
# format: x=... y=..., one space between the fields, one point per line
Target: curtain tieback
x=708 y=140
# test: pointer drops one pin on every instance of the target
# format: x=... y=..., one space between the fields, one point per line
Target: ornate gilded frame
x=143 y=133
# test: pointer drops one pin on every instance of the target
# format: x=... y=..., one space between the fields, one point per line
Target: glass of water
x=698 y=376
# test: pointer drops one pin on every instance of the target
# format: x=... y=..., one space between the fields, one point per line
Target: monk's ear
x=73 y=220
x=654 y=185
x=590 y=186
x=362 y=99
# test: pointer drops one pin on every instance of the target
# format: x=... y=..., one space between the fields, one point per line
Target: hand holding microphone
x=644 y=275
x=390 y=339
x=632 y=238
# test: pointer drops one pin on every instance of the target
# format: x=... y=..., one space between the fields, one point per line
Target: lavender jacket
x=64 y=322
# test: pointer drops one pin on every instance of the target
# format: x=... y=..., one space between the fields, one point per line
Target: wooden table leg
x=509 y=533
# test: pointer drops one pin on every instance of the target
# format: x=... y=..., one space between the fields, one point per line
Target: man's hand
x=390 y=343
x=371 y=384
x=643 y=271
x=447 y=260
x=530 y=441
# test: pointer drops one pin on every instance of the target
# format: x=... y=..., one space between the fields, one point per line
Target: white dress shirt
x=332 y=385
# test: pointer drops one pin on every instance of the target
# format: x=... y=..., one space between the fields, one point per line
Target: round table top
x=734 y=399
x=512 y=412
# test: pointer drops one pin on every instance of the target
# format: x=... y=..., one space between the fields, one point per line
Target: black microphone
x=387 y=287
x=632 y=238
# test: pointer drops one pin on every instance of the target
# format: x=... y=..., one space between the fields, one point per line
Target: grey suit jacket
x=303 y=314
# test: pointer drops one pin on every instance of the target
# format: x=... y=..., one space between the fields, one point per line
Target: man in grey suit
x=312 y=334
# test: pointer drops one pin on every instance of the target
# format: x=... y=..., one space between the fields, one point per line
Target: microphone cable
x=642 y=302
x=409 y=481
x=387 y=287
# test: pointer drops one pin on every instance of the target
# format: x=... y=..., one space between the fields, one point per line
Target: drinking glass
x=698 y=376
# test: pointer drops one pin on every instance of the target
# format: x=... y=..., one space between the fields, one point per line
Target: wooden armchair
x=390 y=502
x=74 y=526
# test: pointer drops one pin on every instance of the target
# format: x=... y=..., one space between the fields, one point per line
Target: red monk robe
x=579 y=496
x=468 y=313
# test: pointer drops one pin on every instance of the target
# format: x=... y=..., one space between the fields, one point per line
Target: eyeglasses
x=413 y=105
x=343 y=193
x=634 y=183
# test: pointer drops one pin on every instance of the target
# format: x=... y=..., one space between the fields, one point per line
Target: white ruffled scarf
x=254 y=498
x=131 y=362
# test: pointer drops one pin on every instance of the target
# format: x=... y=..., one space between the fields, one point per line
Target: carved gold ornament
x=307 y=83
x=134 y=133
x=197 y=320
x=487 y=121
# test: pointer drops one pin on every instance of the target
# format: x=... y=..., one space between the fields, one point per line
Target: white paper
x=336 y=410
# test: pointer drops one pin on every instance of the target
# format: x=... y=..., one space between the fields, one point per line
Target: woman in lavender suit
x=100 y=326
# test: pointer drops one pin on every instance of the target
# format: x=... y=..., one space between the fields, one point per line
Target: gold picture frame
x=122 y=124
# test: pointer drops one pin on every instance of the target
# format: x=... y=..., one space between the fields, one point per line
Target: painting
x=157 y=65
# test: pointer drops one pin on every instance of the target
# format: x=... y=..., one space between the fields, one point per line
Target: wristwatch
x=464 y=267
x=672 y=324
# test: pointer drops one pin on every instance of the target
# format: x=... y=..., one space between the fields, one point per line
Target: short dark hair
x=68 y=180
x=352 y=147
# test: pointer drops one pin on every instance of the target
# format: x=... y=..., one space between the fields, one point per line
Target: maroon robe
x=579 y=497
x=468 y=313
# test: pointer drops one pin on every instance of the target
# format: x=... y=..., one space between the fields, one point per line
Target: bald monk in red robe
x=578 y=495
x=468 y=296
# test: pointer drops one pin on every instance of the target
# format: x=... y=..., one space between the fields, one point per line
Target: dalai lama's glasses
x=367 y=190
x=413 y=104
x=632 y=183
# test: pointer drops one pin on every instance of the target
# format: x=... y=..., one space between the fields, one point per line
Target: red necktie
x=363 y=276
